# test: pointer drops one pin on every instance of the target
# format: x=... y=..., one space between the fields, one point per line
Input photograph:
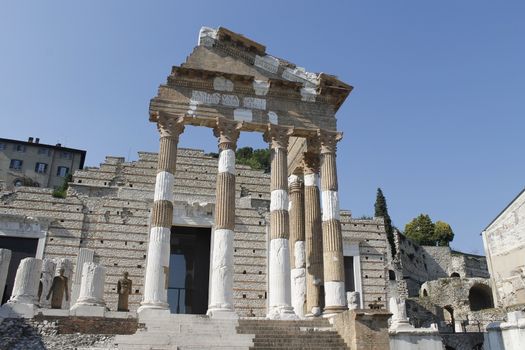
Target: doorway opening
x=20 y=248
x=189 y=270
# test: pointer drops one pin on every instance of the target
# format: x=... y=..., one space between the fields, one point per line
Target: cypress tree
x=381 y=209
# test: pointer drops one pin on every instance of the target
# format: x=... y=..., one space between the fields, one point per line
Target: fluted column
x=313 y=231
x=334 y=278
x=222 y=270
x=279 y=257
x=157 y=265
x=297 y=244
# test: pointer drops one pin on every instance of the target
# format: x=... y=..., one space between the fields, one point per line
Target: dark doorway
x=20 y=248
x=480 y=297
x=189 y=270
x=349 y=274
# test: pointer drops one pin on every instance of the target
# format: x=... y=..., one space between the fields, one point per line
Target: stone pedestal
x=90 y=301
x=24 y=297
x=509 y=335
x=5 y=259
x=84 y=255
x=363 y=329
x=46 y=280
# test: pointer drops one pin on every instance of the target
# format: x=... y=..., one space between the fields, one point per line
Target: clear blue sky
x=437 y=117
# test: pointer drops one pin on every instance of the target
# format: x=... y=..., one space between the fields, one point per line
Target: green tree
x=257 y=159
x=443 y=233
x=421 y=230
x=61 y=191
x=381 y=210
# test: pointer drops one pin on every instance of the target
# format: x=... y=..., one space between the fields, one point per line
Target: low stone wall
x=62 y=333
x=363 y=329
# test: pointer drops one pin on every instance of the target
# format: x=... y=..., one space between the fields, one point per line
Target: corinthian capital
x=170 y=126
x=278 y=136
x=329 y=140
x=228 y=133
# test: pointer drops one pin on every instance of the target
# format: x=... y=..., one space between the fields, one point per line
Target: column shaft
x=279 y=264
x=221 y=291
x=313 y=234
x=334 y=279
x=157 y=265
x=297 y=245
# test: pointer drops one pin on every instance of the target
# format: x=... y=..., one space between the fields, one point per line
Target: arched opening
x=454 y=274
x=425 y=293
x=480 y=297
x=391 y=275
x=448 y=317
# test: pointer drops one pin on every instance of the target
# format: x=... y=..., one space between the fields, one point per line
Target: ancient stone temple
x=197 y=234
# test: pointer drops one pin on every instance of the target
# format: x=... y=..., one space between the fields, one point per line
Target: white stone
x=92 y=285
x=279 y=200
x=222 y=84
x=157 y=269
x=308 y=94
x=84 y=255
x=335 y=294
x=311 y=179
x=352 y=300
x=230 y=100
x=330 y=200
x=241 y=114
x=202 y=97
x=46 y=280
x=300 y=254
x=164 y=186
x=25 y=288
x=273 y=118
x=221 y=291
x=254 y=103
x=509 y=335
x=261 y=87
x=5 y=258
x=299 y=74
x=293 y=178
x=227 y=161
x=267 y=62
x=298 y=290
x=416 y=340
x=279 y=299
x=207 y=36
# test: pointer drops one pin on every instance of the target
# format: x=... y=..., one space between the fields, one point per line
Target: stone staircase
x=314 y=334
x=199 y=332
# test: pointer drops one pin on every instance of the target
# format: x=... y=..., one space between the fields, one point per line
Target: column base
x=153 y=306
x=331 y=311
x=222 y=314
x=315 y=312
x=87 y=310
x=14 y=309
x=282 y=313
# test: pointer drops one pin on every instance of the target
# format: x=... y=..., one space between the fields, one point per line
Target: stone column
x=313 y=231
x=84 y=255
x=279 y=257
x=157 y=265
x=46 y=280
x=297 y=245
x=90 y=300
x=24 y=297
x=5 y=258
x=333 y=262
x=221 y=291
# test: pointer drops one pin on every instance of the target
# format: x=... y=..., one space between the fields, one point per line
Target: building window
x=45 y=151
x=16 y=164
x=19 y=148
x=41 y=168
x=66 y=155
x=62 y=171
x=3 y=146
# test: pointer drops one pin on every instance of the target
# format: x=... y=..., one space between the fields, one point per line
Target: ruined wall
x=417 y=264
x=504 y=242
x=370 y=235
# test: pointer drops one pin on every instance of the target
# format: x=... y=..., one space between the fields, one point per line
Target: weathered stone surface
x=5 y=259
